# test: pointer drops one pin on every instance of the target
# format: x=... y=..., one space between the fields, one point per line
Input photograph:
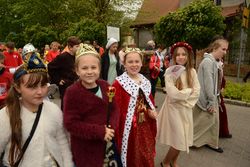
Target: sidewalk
x=236 y=149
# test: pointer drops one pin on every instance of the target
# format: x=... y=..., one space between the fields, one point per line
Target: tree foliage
x=44 y=21
x=196 y=24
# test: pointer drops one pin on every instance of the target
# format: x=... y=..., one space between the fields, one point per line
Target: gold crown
x=129 y=50
x=86 y=49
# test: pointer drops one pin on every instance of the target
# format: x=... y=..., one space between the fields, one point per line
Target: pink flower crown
x=181 y=44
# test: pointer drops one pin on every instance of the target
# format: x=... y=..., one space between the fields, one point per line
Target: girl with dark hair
x=26 y=109
x=175 y=120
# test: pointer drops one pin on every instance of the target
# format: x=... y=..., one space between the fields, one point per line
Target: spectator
x=98 y=48
x=150 y=45
x=111 y=67
x=157 y=69
x=12 y=58
x=5 y=81
x=53 y=52
x=62 y=69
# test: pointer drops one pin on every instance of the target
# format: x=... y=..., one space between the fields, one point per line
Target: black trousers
x=154 y=82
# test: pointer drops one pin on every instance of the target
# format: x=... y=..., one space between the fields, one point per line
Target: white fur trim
x=133 y=89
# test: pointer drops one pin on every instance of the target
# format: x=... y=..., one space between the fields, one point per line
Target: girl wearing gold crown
x=137 y=127
x=31 y=128
x=85 y=111
x=175 y=120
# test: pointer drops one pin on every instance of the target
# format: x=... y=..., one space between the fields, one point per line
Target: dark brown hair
x=73 y=40
x=10 y=45
x=14 y=110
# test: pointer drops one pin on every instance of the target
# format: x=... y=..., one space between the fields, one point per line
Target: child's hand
x=62 y=82
x=152 y=114
x=109 y=134
x=211 y=109
x=2 y=65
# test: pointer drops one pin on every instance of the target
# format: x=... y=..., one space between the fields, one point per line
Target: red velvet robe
x=85 y=117
x=140 y=150
x=224 y=131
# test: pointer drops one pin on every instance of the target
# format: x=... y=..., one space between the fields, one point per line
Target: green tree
x=196 y=24
x=43 y=21
x=86 y=29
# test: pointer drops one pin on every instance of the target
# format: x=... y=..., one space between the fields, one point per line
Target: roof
x=152 y=10
x=230 y=10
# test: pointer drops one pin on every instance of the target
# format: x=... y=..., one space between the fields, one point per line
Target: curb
x=237 y=102
x=228 y=101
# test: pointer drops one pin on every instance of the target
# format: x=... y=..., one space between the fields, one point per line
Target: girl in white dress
x=175 y=120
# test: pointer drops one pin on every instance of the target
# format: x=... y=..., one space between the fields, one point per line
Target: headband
x=181 y=44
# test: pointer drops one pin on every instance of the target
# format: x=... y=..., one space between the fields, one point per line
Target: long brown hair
x=188 y=66
x=14 y=109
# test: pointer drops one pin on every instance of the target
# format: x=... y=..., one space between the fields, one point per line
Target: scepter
x=111 y=94
x=111 y=157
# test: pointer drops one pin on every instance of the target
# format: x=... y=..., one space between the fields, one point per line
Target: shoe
x=219 y=149
x=163 y=165
x=229 y=136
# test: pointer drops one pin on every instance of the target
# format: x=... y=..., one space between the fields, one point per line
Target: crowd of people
x=105 y=100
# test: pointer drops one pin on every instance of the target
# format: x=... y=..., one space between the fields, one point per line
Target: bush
x=237 y=91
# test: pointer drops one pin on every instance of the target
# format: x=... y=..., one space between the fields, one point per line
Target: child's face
x=88 y=69
x=32 y=96
x=55 y=47
x=113 y=47
x=133 y=63
x=181 y=56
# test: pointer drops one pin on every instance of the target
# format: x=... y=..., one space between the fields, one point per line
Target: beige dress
x=175 y=120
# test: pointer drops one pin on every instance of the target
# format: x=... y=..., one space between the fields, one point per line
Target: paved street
x=236 y=150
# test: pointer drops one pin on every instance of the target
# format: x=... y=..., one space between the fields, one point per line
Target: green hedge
x=237 y=91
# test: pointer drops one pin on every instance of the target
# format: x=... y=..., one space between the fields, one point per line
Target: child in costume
x=137 y=123
x=26 y=109
x=175 y=120
x=85 y=111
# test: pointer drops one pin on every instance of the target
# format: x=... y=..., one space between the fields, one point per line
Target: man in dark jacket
x=62 y=69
